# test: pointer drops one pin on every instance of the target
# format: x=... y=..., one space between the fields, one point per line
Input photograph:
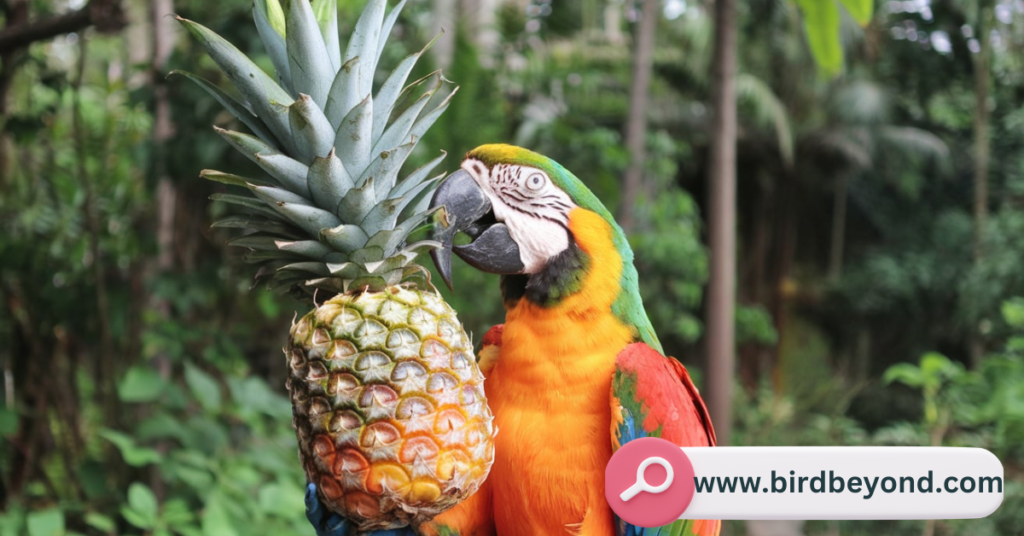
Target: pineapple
x=388 y=401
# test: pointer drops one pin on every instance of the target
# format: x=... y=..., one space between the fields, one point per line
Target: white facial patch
x=535 y=210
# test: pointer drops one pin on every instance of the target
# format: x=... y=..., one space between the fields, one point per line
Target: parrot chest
x=549 y=392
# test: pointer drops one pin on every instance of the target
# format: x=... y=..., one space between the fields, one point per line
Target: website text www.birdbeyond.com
x=654 y=481
x=833 y=483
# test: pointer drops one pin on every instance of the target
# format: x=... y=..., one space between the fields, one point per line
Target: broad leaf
x=860 y=10
x=203 y=386
x=822 y=24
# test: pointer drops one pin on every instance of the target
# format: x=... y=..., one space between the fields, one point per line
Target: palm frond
x=766 y=110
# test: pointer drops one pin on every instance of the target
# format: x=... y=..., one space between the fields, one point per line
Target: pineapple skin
x=389 y=407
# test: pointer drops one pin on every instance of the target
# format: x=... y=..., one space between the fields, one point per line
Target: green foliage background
x=143 y=380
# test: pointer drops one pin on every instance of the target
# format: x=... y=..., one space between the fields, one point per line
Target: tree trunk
x=722 y=224
x=839 y=202
x=636 y=123
x=982 y=66
x=16 y=13
x=166 y=190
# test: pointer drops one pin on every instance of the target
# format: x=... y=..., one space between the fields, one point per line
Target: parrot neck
x=561 y=277
x=596 y=271
x=584 y=277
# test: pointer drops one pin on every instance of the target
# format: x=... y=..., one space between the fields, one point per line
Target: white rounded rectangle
x=844 y=483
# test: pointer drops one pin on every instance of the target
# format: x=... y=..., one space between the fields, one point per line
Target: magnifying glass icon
x=642 y=485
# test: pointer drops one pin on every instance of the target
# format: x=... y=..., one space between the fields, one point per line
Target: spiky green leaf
x=329 y=181
x=317 y=268
x=291 y=174
x=326 y=12
x=395 y=134
x=344 y=94
x=357 y=203
x=273 y=40
x=276 y=15
x=383 y=215
x=256 y=86
x=364 y=42
x=385 y=168
x=385 y=32
x=313 y=133
x=311 y=219
x=308 y=61
x=276 y=228
x=250 y=204
x=345 y=238
x=416 y=177
x=388 y=94
x=354 y=138
x=275 y=196
x=256 y=242
x=233 y=180
x=242 y=111
x=311 y=249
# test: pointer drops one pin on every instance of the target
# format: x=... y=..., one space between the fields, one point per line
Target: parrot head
x=538 y=225
x=515 y=205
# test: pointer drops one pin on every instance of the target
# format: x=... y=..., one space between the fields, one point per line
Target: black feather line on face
x=560 y=278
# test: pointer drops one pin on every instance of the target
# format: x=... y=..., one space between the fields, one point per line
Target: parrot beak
x=467 y=209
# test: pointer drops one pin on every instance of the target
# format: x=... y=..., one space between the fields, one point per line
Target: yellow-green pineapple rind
x=389 y=406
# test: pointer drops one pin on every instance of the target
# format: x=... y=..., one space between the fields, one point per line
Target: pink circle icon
x=649 y=482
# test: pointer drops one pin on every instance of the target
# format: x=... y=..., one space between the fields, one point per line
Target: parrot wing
x=653 y=396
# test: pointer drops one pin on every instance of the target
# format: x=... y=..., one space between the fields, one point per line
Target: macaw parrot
x=576 y=370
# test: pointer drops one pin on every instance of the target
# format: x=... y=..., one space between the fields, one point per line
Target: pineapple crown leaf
x=332 y=211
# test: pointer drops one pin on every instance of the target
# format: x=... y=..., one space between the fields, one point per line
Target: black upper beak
x=467 y=209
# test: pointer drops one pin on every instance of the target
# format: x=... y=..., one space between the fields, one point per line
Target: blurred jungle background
x=879 y=268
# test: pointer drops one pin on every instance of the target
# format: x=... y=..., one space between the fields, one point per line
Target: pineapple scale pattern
x=396 y=430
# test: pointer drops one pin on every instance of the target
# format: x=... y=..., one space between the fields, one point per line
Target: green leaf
x=275 y=14
x=309 y=63
x=290 y=173
x=364 y=42
x=142 y=499
x=133 y=454
x=1013 y=312
x=388 y=94
x=326 y=12
x=8 y=421
x=396 y=134
x=240 y=110
x=822 y=23
x=937 y=367
x=280 y=499
x=140 y=384
x=385 y=31
x=311 y=219
x=273 y=37
x=313 y=132
x=860 y=10
x=216 y=520
x=261 y=91
x=904 y=373
x=353 y=141
x=328 y=181
x=100 y=522
x=49 y=522
x=203 y=386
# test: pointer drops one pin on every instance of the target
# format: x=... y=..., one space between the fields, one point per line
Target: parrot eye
x=536 y=181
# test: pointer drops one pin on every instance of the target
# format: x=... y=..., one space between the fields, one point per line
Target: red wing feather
x=662 y=397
